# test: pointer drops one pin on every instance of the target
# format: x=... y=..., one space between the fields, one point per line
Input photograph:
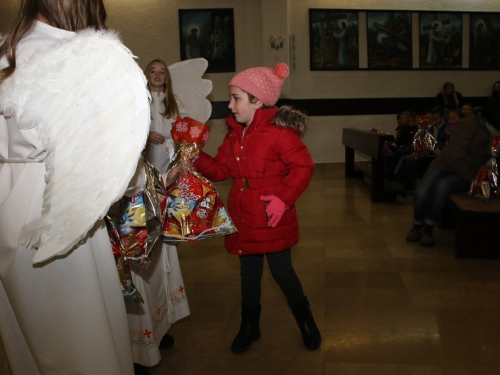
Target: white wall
x=150 y=29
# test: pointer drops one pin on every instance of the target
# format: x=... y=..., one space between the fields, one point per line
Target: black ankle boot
x=249 y=329
x=140 y=369
x=305 y=320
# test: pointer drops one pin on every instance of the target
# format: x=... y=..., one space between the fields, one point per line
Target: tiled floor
x=384 y=306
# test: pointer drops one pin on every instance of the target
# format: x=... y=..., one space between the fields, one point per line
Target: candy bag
x=423 y=141
x=129 y=291
x=194 y=209
x=141 y=217
x=485 y=185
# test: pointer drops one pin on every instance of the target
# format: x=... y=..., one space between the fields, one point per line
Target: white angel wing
x=191 y=89
x=89 y=100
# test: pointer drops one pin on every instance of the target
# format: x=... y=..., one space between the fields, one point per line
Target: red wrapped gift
x=485 y=185
x=194 y=209
x=129 y=291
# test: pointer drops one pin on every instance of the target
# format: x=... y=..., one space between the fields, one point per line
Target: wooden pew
x=476 y=226
x=370 y=144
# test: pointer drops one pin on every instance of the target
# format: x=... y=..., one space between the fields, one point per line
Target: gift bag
x=485 y=185
x=194 y=209
x=129 y=291
x=141 y=216
x=423 y=141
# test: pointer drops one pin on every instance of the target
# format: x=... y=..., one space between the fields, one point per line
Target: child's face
x=453 y=118
x=466 y=110
x=412 y=121
x=156 y=76
x=437 y=119
x=243 y=110
x=402 y=120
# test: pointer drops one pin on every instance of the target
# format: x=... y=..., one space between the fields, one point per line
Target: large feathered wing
x=89 y=101
x=191 y=89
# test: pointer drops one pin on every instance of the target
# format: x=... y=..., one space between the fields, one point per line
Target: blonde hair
x=169 y=102
x=71 y=15
x=445 y=96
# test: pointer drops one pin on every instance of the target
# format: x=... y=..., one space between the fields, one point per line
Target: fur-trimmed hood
x=289 y=117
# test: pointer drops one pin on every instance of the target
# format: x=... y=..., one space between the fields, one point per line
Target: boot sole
x=243 y=350
x=313 y=347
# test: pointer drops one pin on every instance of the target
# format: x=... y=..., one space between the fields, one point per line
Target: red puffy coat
x=265 y=159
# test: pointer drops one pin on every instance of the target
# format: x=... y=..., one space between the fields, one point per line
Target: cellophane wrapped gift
x=194 y=208
x=485 y=185
x=423 y=142
x=135 y=227
x=141 y=217
x=129 y=291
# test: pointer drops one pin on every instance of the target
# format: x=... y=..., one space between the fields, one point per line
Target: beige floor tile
x=379 y=320
x=367 y=298
x=384 y=306
x=381 y=369
x=471 y=370
x=372 y=347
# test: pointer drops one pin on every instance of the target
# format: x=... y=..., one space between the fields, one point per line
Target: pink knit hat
x=263 y=83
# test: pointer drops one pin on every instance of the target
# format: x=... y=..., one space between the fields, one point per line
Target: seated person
x=453 y=169
x=454 y=118
x=449 y=98
x=467 y=109
x=438 y=128
x=405 y=131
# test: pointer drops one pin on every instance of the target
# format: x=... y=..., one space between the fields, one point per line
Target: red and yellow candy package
x=194 y=209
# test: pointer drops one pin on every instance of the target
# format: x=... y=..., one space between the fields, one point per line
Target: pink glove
x=275 y=209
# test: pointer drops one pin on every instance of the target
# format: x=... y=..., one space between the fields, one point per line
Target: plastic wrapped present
x=129 y=291
x=194 y=209
x=141 y=217
x=423 y=142
x=423 y=122
x=485 y=184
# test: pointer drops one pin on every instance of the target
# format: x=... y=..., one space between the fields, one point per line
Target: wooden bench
x=476 y=226
x=370 y=144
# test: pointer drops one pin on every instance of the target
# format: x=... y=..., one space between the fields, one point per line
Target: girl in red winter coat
x=271 y=168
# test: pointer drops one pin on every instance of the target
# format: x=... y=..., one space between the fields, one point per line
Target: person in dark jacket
x=453 y=169
x=449 y=98
x=271 y=168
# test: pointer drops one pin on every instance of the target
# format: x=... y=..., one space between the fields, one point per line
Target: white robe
x=161 y=285
x=65 y=315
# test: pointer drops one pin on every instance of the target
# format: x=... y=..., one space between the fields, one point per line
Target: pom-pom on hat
x=263 y=83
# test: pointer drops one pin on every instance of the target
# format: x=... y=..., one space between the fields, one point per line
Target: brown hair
x=253 y=99
x=169 y=102
x=71 y=15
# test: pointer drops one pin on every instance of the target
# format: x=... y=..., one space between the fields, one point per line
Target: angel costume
x=161 y=285
x=74 y=119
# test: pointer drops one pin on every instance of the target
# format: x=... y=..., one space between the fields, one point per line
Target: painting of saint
x=389 y=39
x=440 y=40
x=208 y=33
x=484 y=41
x=333 y=37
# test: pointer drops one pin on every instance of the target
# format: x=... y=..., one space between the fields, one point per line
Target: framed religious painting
x=389 y=40
x=208 y=33
x=441 y=40
x=484 y=50
x=333 y=39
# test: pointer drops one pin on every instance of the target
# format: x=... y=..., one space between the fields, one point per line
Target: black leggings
x=280 y=264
